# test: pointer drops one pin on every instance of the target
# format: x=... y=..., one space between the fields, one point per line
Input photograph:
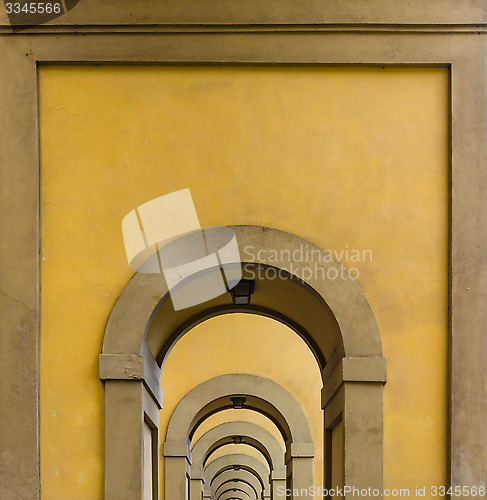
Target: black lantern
x=242 y=291
x=238 y=402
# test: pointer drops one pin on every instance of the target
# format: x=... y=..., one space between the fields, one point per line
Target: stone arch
x=235 y=476
x=331 y=315
x=251 y=434
x=226 y=447
x=262 y=395
x=244 y=462
x=237 y=495
x=350 y=319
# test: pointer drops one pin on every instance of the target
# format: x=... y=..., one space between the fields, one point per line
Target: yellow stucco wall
x=349 y=158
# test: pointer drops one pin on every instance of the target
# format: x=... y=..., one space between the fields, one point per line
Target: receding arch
x=244 y=462
x=241 y=487
x=234 y=477
x=247 y=433
x=143 y=311
x=233 y=486
x=261 y=394
x=225 y=447
x=234 y=495
x=331 y=315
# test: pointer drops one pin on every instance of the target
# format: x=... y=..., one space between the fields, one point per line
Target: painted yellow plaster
x=350 y=158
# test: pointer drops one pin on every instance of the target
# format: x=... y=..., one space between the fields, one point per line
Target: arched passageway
x=236 y=433
x=258 y=394
x=244 y=488
x=243 y=462
x=232 y=477
x=234 y=495
x=331 y=315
